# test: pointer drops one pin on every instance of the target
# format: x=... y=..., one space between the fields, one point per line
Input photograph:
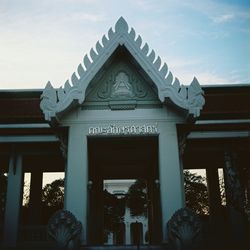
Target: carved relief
x=105 y=90
x=120 y=83
x=122 y=87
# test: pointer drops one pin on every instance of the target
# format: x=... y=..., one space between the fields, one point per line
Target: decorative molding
x=182 y=142
x=55 y=102
x=28 y=138
x=63 y=139
x=183 y=229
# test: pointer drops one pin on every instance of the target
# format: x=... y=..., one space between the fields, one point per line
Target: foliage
x=53 y=194
x=196 y=192
x=137 y=198
x=114 y=209
x=26 y=194
x=222 y=191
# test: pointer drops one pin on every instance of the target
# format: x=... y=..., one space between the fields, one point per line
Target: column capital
x=182 y=141
x=63 y=140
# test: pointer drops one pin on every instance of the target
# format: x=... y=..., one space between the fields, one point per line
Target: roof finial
x=121 y=26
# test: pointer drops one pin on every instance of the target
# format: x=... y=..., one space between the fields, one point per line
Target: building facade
x=123 y=116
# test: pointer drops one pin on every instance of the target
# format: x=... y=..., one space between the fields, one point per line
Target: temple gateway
x=143 y=160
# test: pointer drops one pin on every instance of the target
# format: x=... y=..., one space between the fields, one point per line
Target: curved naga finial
x=188 y=98
x=64 y=228
x=183 y=229
x=49 y=100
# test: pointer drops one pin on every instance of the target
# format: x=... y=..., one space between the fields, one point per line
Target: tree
x=196 y=193
x=137 y=198
x=53 y=194
x=52 y=199
x=113 y=209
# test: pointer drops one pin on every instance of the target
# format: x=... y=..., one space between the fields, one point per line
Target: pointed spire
x=121 y=26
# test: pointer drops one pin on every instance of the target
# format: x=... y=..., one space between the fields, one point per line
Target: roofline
x=20 y=90
x=214 y=85
x=225 y=85
x=56 y=102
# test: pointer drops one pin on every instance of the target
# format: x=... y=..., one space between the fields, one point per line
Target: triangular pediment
x=56 y=102
x=121 y=85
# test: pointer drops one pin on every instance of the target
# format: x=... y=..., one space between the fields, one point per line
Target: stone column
x=235 y=199
x=35 y=203
x=144 y=230
x=127 y=233
x=213 y=193
x=170 y=174
x=13 y=201
x=76 y=187
x=216 y=216
x=3 y=187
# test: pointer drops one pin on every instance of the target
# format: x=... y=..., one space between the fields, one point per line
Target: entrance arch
x=122 y=90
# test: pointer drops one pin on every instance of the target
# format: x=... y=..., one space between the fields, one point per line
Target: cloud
x=211 y=77
x=46 y=40
x=223 y=18
x=148 y=5
x=208 y=77
x=181 y=63
x=219 y=12
x=186 y=70
x=83 y=16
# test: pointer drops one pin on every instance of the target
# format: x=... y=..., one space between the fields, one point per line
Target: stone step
x=127 y=247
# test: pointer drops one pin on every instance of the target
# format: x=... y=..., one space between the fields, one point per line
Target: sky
x=45 y=40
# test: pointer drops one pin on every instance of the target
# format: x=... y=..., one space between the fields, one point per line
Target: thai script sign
x=112 y=129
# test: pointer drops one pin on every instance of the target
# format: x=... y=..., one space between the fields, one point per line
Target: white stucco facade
x=79 y=122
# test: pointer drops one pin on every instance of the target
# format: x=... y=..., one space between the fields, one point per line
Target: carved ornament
x=64 y=228
x=183 y=229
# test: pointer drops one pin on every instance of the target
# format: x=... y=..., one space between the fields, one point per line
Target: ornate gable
x=122 y=86
x=56 y=102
